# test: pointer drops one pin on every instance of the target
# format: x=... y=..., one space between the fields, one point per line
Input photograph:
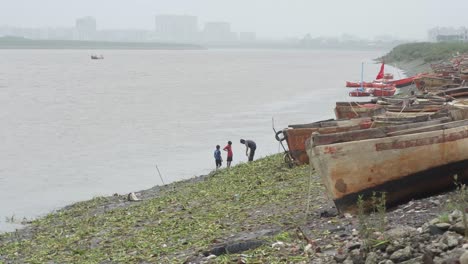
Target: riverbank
x=262 y=212
x=23 y=43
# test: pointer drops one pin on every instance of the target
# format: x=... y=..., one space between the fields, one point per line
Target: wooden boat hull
x=369 y=85
x=384 y=92
x=403 y=82
x=404 y=167
x=348 y=110
x=430 y=82
x=359 y=93
x=296 y=137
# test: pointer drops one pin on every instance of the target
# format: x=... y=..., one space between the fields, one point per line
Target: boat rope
x=309 y=194
x=403 y=109
x=352 y=108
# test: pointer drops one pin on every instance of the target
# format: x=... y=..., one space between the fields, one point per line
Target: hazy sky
x=269 y=18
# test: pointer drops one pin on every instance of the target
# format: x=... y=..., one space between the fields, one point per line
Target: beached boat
x=402 y=82
x=361 y=92
x=384 y=91
x=348 y=110
x=369 y=85
x=393 y=119
x=417 y=108
x=297 y=135
x=453 y=92
x=412 y=161
x=432 y=82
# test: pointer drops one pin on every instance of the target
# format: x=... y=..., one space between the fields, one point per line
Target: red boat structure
x=383 y=81
x=361 y=92
x=384 y=91
x=368 y=84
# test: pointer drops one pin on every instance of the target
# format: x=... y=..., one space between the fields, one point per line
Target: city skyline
x=277 y=19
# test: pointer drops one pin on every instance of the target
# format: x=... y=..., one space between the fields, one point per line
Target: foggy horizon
x=269 y=19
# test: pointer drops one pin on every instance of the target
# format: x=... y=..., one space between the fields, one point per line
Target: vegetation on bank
x=180 y=220
x=428 y=52
x=23 y=43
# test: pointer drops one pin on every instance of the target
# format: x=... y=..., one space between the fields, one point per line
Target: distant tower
x=218 y=32
x=176 y=28
x=85 y=28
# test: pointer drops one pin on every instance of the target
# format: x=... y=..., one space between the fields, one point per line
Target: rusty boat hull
x=412 y=163
x=297 y=135
x=348 y=110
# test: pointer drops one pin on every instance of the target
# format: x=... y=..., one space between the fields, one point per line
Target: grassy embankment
x=180 y=220
x=416 y=57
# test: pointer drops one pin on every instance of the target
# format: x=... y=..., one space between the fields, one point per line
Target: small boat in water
x=96 y=57
x=405 y=162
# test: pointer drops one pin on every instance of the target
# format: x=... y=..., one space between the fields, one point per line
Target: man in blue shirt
x=217 y=156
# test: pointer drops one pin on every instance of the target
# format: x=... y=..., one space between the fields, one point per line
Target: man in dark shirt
x=249 y=144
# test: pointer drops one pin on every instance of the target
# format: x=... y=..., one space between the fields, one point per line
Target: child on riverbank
x=228 y=148
x=217 y=156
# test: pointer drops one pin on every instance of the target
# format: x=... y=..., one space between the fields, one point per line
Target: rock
x=427 y=258
x=340 y=257
x=434 y=221
x=386 y=262
x=450 y=239
x=435 y=231
x=353 y=246
x=278 y=245
x=454 y=254
x=401 y=255
x=372 y=258
x=455 y=215
x=417 y=260
x=443 y=226
x=464 y=258
x=308 y=249
x=330 y=212
x=401 y=231
x=348 y=215
x=132 y=197
x=390 y=249
x=356 y=256
x=459 y=228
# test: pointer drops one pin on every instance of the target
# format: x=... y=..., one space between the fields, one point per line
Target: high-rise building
x=247 y=36
x=218 y=32
x=439 y=34
x=177 y=28
x=86 y=28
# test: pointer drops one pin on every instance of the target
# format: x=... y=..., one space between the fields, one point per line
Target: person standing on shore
x=249 y=144
x=228 y=148
x=217 y=156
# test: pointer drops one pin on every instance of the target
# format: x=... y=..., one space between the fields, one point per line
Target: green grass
x=185 y=218
x=428 y=52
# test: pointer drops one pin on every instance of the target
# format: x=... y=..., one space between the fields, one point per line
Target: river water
x=73 y=128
